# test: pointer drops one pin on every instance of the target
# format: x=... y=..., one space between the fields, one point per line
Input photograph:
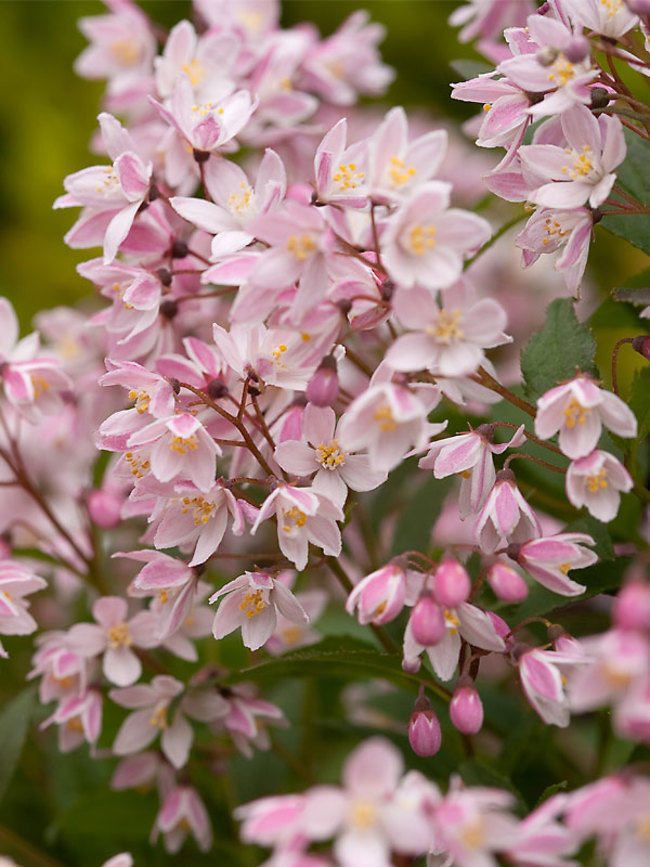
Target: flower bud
x=323 y=387
x=632 y=606
x=452 y=584
x=425 y=736
x=507 y=583
x=577 y=49
x=104 y=509
x=466 y=710
x=427 y=622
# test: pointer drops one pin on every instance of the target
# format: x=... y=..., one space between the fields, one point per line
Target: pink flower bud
x=104 y=509
x=507 y=583
x=502 y=629
x=425 y=736
x=466 y=710
x=452 y=584
x=323 y=387
x=577 y=49
x=427 y=622
x=632 y=606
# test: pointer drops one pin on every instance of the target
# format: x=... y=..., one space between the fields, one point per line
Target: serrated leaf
x=549 y=791
x=14 y=724
x=640 y=401
x=467 y=69
x=554 y=354
x=633 y=176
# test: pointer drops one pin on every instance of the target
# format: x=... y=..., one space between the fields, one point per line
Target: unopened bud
x=577 y=49
x=104 y=509
x=599 y=97
x=507 y=583
x=216 y=389
x=427 y=622
x=466 y=710
x=168 y=308
x=632 y=606
x=323 y=387
x=642 y=345
x=452 y=584
x=179 y=249
x=165 y=276
x=425 y=736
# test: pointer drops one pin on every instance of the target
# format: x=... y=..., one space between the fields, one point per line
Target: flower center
x=399 y=173
x=194 y=71
x=575 y=413
x=141 y=399
x=202 y=509
x=111 y=181
x=138 y=466
x=561 y=72
x=118 y=636
x=181 y=445
x=302 y=246
x=385 y=418
x=597 y=482
x=583 y=165
x=473 y=835
x=363 y=814
x=74 y=724
x=422 y=238
x=158 y=717
x=451 y=621
x=40 y=385
x=330 y=456
x=347 y=177
x=240 y=203
x=125 y=51
x=447 y=328
x=293 y=517
x=252 y=604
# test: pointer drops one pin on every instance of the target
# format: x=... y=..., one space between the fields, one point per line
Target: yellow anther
x=385 y=418
x=125 y=51
x=363 y=814
x=182 y=445
x=575 y=413
x=296 y=517
x=597 y=482
x=118 y=636
x=399 y=173
x=447 y=327
x=159 y=717
x=194 y=71
x=302 y=246
x=422 y=238
x=330 y=456
x=253 y=604
x=347 y=177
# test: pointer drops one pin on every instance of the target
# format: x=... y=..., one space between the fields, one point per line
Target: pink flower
x=470 y=456
x=246 y=719
x=319 y=450
x=506 y=517
x=581 y=172
x=549 y=559
x=450 y=339
x=578 y=409
x=426 y=242
x=379 y=596
x=16 y=582
x=543 y=681
x=388 y=419
x=142 y=727
x=111 y=194
x=303 y=516
x=338 y=169
x=79 y=718
x=114 y=637
x=367 y=816
x=549 y=230
x=595 y=481
x=122 y=45
x=183 y=811
x=252 y=603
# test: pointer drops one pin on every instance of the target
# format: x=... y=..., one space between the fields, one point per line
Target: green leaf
x=413 y=530
x=640 y=401
x=549 y=791
x=338 y=657
x=634 y=177
x=123 y=814
x=554 y=354
x=467 y=69
x=14 y=723
x=636 y=290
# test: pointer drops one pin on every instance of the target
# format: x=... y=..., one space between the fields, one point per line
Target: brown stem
x=486 y=379
x=531 y=458
x=234 y=421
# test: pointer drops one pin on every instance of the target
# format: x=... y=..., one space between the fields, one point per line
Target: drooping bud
x=599 y=97
x=507 y=583
x=104 y=509
x=425 y=736
x=452 y=584
x=466 y=709
x=323 y=387
x=427 y=622
x=577 y=49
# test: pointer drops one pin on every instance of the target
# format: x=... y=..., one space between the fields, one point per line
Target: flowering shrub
x=260 y=516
